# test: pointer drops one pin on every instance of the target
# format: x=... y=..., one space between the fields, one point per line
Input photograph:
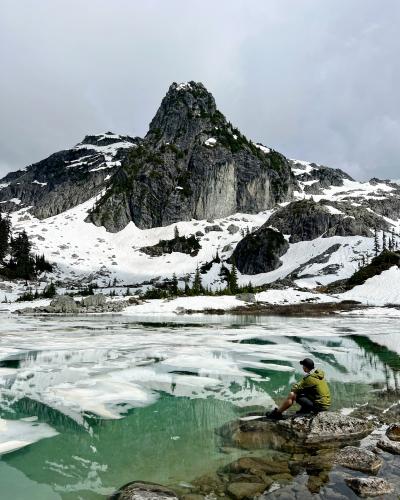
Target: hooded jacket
x=314 y=387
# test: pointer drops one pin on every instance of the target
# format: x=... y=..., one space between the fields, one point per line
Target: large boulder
x=359 y=459
x=369 y=486
x=327 y=428
x=389 y=446
x=140 y=490
x=64 y=304
x=97 y=300
x=259 y=252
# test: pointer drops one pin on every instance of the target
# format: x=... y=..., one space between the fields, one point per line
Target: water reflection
x=188 y=378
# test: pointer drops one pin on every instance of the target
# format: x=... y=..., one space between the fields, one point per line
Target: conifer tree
x=233 y=281
x=376 y=243
x=174 y=285
x=5 y=229
x=384 y=247
x=20 y=252
x=187 y=287
x=197 y=288
x=176 y=232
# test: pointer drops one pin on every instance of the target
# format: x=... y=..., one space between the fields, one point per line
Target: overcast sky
x=315 y=79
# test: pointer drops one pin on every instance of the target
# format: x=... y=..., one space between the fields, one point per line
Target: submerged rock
x=143 y=491
x=369 y=486
x=359 y=459
x=243 y=490
x=258 y=466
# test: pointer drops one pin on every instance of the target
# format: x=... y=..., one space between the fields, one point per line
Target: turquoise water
x=132 y=399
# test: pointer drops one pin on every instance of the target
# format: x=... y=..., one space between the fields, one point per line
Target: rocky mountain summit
x=192 y=164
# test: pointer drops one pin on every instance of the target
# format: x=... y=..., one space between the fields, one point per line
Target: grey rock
x=259 y=252
x=64 y=304
x=62 y=188
x=140 y=490
x=246 y=297
x=359 y=459
x=389 y=446
x=307 y=220
x=94 y=300
x=199 y=233
x=227 y=248
x=215 y=227
x=326 y=427
x=393 y=432
x=232 y=229
x=369 y=486
x=174 y=175
x=324 y=176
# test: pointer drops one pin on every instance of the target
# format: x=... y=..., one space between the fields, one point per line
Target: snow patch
x=211 y=142
x=379 y=290
x=264 y=149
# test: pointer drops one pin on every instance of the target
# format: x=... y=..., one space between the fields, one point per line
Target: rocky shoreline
x=315 y=447
x=99 y=304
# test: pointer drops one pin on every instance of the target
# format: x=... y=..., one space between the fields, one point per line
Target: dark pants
x=306 y=405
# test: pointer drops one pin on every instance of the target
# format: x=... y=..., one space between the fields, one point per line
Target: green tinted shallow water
x=167 y=434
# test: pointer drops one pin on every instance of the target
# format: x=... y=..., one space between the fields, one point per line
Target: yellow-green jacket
x=314 y=387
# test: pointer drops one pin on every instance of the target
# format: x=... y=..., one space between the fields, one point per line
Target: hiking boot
x=274 y=415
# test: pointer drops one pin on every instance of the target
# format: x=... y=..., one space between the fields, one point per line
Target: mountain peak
x=186 y=110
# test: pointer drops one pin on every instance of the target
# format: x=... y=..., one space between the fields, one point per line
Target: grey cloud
x=315 y=80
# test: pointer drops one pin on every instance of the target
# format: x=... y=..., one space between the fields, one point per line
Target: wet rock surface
x=144 y=491
x=393 y=432
x=389 y=446
x=369 y=486
x=359 y=459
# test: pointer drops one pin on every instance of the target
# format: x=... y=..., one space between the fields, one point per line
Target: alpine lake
x=109 y=399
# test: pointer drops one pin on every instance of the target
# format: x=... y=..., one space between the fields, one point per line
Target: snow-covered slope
x=381 y=290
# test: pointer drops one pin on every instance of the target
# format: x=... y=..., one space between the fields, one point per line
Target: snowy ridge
x=106 y=151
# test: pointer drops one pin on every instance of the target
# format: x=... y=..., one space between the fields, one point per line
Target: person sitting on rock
x=311 y=393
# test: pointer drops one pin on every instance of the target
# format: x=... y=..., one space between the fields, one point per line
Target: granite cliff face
x=192 y=164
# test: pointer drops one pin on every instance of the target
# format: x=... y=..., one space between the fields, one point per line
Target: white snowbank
x=158 y=306
x=291 y=296
x=380 y=290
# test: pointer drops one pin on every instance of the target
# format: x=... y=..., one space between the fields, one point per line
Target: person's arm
x=299 y=386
